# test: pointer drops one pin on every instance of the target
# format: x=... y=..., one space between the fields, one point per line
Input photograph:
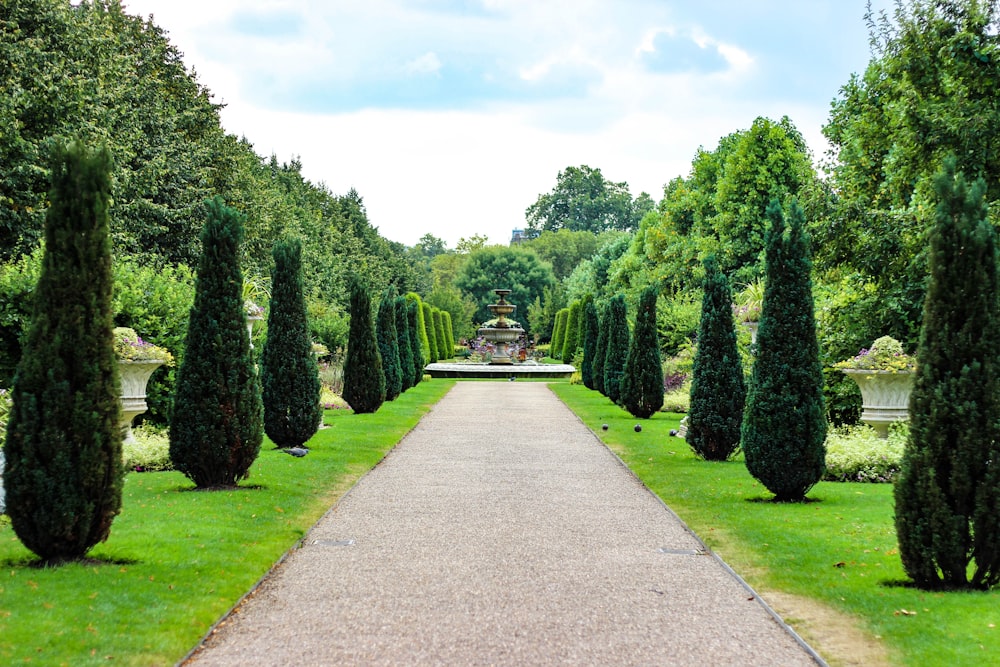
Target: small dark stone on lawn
x=637 y=428
x=673 y=431
x=604 y=427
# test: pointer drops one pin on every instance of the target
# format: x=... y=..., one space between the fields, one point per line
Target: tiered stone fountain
x=501 y=334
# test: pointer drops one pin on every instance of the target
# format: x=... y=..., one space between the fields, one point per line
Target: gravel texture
x=501 y=531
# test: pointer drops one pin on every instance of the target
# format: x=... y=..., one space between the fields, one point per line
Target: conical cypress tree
x=431 y=329
x=558 y=334
x=290 y=386
x=388 y=346
x=948 y=491
x=413 y=311
x=421 y=330
x=449 y=333
x=364 y=380
x=601 y=349
x=591 y=332
x=784 y=426
x=617 y=348
x=217 y=426
x=642 y=381
x=439 y=335
x=571 y=334
x=404 y=344
x=718 y=392
x=63 y=472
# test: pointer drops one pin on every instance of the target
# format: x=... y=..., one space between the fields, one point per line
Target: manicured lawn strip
x=182 y=558
x=839 y=551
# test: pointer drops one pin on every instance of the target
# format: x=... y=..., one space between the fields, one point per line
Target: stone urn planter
x=134 y=376
x=885 y=375
x=753 y=327
x=885 y=396
x=137 y=359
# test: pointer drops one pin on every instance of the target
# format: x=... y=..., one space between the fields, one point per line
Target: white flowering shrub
x=857 y=454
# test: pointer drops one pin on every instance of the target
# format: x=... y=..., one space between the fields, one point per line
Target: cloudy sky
x=450 y=117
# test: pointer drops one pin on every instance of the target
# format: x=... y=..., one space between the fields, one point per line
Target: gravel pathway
x=500 y=531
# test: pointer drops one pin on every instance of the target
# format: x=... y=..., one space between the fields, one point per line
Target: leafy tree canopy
x=584 y=200
x=499 y=267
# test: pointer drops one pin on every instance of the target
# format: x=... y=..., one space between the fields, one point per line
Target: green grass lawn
x=178 y=559
x=838 y=552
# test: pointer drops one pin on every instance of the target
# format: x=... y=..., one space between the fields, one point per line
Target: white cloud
x=471 y=157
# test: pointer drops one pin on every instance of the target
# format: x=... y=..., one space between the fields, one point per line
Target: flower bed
x=858 y=454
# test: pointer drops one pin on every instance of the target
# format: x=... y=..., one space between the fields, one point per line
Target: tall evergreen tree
x=601 y=349
x=617 y=348
x=948 y=491
x=217 y=426
x=439 y=335
x=642 y=381
x=449 y=333
x=364 y=380
x=571 y=334
x=718 y=392
x=421 y=331
x=558 y=334
x=784 y=426
x=290 y=387
x=404 y=343
x=413 y=311
x=591 y=332
x=388 y=345
x=431 y=329
x=63 y=470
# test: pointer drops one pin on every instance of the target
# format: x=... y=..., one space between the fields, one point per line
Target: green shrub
x=388 y=344
x=948 y=492
x=678 y=400
x=413 y=313
x=571 y=333
x=404 y=344
x=290 y=383
x=642 y=379
x=558 y=333
x=717 y=389
x=857 y=454
x=617 y=348
x=601 y=350
x=328 y=324
x=63 y=476
x=364 y=380
x=421 y=330
x=784 y=425
x=591 y=332
x=431 y=329
x=217 y=425
x=149 y=451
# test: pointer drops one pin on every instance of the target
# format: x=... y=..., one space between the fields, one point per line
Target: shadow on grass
x=771 y=500
x=35 y=563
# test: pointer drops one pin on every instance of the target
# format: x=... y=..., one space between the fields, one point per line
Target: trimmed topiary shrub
x=442 y=341
x=591 y=332
x=431 y=329
x=449 y=333
x=642 y=381
x=617 y=348
x=217 y=426
x=413 y=311
x=601 y=349
x=558 y=334
x=718 y=392
x=290 y=386
x=571 y=333
x=388 y=345
x=404 y=344
x=63 y=453
x=948 y=491
x=364 y=380
x=421 y=330
x=784 y=426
